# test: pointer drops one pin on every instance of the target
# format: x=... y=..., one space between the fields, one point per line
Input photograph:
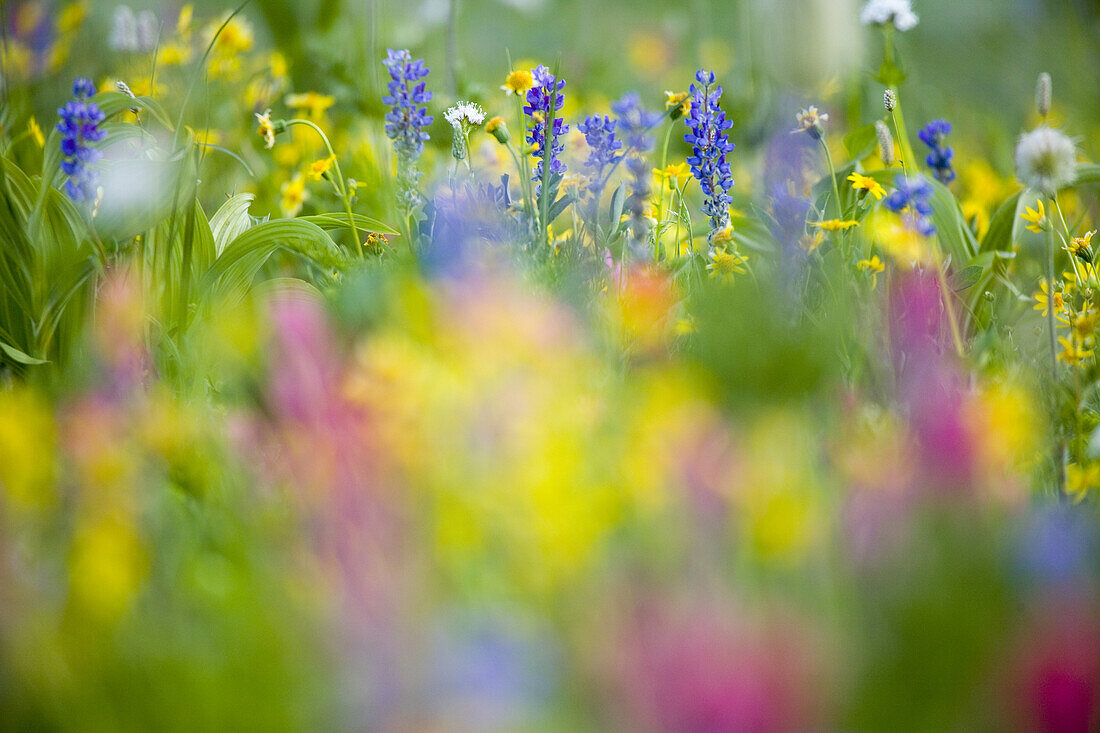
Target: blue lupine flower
x=599 y=133
x=635 y=122
x=407 y=118
x=710 y=145
x=546 y=93
x=939 y=159
x=911 y=196
x=79 y=126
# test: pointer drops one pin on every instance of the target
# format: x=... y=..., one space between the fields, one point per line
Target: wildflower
x=466 y=115
x=911 y=198
x=599 y=134
x=314 y=105
x=133 y=33
x=234 y=38
x=1046 y=160
x=873 y=266
x=320 y=168
x=885 y=143
x=518 y=82
x=1084 y=325
x=1043 y=94
x=266 y=129
x=498 y=128
x=811 y=122
x=866 y=184
x=834 y=225
x=679 y=102
x=881 y=12
x=1042 y=301
x=1081 y=247
x=1072 y=353
x=726 y=264
x=36 y=132
x=671 y=175
x=889 y=100
x=294 y=195
x=710 y=144
x=939 y=159
x=635 y=122
x=407 y=118
x=545 y=99
x=1081 y=479
x=79 y=125
x=1037 y=220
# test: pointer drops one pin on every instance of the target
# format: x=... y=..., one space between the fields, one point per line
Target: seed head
x=1043 y=93
x=889 y=100
x=885 y=143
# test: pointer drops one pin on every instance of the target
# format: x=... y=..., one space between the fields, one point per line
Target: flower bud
x=889 y=100
x=498 y=129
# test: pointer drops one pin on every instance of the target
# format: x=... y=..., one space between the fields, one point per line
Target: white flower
x=124 y=31
x=881 y=12
x=1046 y=160
x=466 y=115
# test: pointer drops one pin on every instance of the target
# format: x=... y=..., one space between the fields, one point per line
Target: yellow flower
x=868 y=184
x=1080 y=479
x=71 y=17
x=320 y=167
x=723 y=237
x=873 y=266
x=834 y=225
x=1041 y=299
x=1073 y=353
x=1081 y=246
x=36 y=132
x=518 y=82
x=726 y=264
x=671 y=175
x=1084 y=325
x=810 y=242
x=1037 y=219
x=294 y=195
x=313 y=104
x=266 y=129
x=678 y=99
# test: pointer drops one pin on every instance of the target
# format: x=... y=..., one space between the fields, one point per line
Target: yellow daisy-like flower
x=1042 y=301
x=810 y=242
x=518 y=82
x=873 y=266
x=36 y=132
x=294 y=195
x=314 y=105
x=266 y=129
x=671 y=175
x=678 y=99
x=1084 y=325
x=834 y=225
x=726 y=264
x=868 y=184
x=319 y=168
x=723 y=237
x=1037 y=219
x=1073 y=353
x=1081 y=246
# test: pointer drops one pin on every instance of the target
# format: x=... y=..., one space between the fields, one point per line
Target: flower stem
x=338 y=182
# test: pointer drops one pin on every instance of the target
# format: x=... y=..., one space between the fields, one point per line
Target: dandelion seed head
x=1046 y=160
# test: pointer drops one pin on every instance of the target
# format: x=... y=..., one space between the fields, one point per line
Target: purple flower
x=599 y=133
x=80 y=125
x=911 y=196
x=939 y=159
x=544 y=98
x=710 y=144
x=406 y=120
x=635 y=122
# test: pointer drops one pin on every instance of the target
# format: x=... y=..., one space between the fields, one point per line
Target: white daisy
x=881 y=12
x=1046 y=160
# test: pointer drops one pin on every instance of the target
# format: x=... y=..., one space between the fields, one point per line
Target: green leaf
x=231 y=220
x=338 y=219
x=19 y=355
x=966 y=278
x=860 y=142
x=618 y=203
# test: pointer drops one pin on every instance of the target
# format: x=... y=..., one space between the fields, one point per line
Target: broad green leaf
x=231 y=220
x=337 y=219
